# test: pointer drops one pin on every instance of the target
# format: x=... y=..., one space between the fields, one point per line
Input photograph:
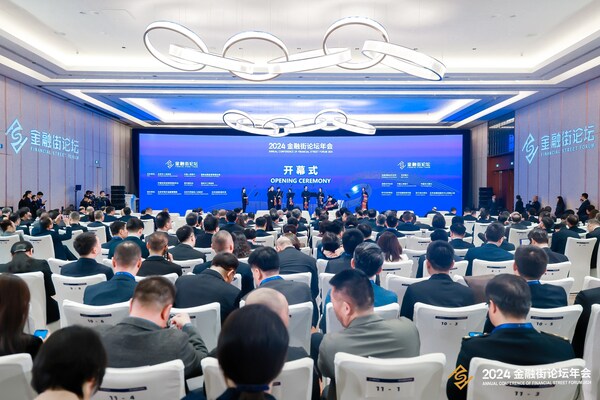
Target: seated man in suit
x=118 y=230
x=391 y=222
x=147 y=214
x=144 y=338
x=159 y=262
x=379 y=223
x=126 y=263
x=293 y=261
x=366 y=333
x=98 y=219
x=110 y=214
x=47 y=228
x=585 y=298
x=350 y=240
x=164 y=224
x=514 y=340
x=74 y=220
x=367 y=231
x=184 y=250
x=135 y=229
x=265 y=269
x=559 y=238
x=126 y=214
x=407 y=224
x=261 y=226
x=231 y=226
x=211 y=226
x=8 y=228
x=439 y=290
x=437 y=235
x=516 y=223
x=470 y=215
x=593 y=226
x=211 y=285
x=87 y=245
x=539 y=238
x=222 y=242
x=489 y=251
x=457 y=235
x=192 y=221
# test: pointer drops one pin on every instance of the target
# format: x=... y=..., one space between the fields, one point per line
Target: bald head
x=272 y=299
x=222 y=242
x=283 y=243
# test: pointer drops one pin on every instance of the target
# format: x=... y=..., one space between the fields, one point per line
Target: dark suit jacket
x=243 y=269
x=136 y=240
x=461 y=244
x=112 y=244
x=60 y=250
x=110 y=218
x=553 y=257
x=519 y=346
x=183 y=252
x=488 y=252
x=339 y=264
x=421 y=267
x=232 y=227
x=157 y=265
x=262 y=233
x=585 y=298
x=206 y=288
x=78 y=227
x=204 y=240
x=86 y=267
x=97 y=224
x=559 y=239
x=125 y=218
x=119 y=289
x=581 y=210
x=173 y=241
x=439 y=290
x=393 y=230
x=407 y=227
x=292 y=261
x=34 y=265
x=594 y=234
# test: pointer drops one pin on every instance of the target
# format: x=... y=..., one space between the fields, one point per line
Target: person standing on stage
x=364 y=204
x=305 y=198
x=271 y=197
x=320 y=198
x=278 y=198
x=244 y=199
x=289 y=204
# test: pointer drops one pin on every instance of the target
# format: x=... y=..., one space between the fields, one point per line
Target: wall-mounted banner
x=42 y=142
x=567 y=141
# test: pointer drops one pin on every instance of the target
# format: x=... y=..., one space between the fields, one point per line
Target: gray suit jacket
x=135 y=342
x=367 y=336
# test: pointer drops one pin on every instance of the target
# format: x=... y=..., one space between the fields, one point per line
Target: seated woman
x=14 y=309
x=70 y=365
x=252 y=350
x=392 y=250
x=330 y=248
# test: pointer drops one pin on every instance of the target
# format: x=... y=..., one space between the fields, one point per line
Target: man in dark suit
x=144 y=338
x=184 y=250
x=539 y=238
x=265 y=268
x=98 y=218
x=489 y=251
x=514 y=341
x=211 y=285
x=87 y=245
x=585 y=298
x=470 y=215
x=350 y=240
x=293 y=261
x=159 y=262
x=118 y=230
x=126 y=263
x=261 y=226
x=391 y=222
x=110 y=214
x=439 y=290
x=593 y=226
x=191 y=220
x=536 y=205
x=457 y=235
x=436 y=235
x=164 y=224
x=135 y=229
x=147 y=214
x=231 y=225
x=559 y=238
x=581 y=211
x=371 y=218
x=126 y=211
x=379 y=223
x=47 y=228
x=516 y=223
x=74 y=219
x=211 y=226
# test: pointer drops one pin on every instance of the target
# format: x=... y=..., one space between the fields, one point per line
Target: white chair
x=107 y=262
x=69 y=243
x=566 y=284
x=477 y=229
x=207 y=251
x=305 y=250
x=6 y=242
x=480 y=389
x=560 y=321
x=300 y=324
x=160 y=381
x=82 y=314
x=389 y=311
x=515 y=236
x=322 y=265
x=324 y=286
x=148 y=227
x=171 y=277
x=459 y=268
x=399 y=268
x=557 y=271
x=43 y=248
x=72 y=288
x=469 y=226
x=100 y=231
x=207 y=321
x=417 y=243
x=303 y=277
x=589 y=282
x=461 y=252
x=267 y=241
x=398 y=285
x=482 y=267
x=294 y=380
x=402 y=241
x=396 y=378
x=15 y=374
x=591 y=354
x=441 y=329
x=56 y=264
x=237 y=281
x=37 y=303
x=414 y=255
x=579 y=252
x=188 y=265
x=303 y=241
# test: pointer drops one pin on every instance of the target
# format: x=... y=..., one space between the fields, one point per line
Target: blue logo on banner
x=530 y=148
x=18 y=140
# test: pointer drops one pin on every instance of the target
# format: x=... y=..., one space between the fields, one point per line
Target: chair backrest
x=589 y=282
x=417 y=243
x=469 y=225
x=148 y=227
x=69 y=243
x=459 y=269
x=324 y=286
x=237 y=281
x=396 y=378
x=56 y=264
x=303 y=277
x=579 y=252
x=389 y=311
x=400 y=268
x=477 y=229
x=15 y=374
x=441 y=329
x=516 y=235
x=566 y=284
x=480 y=389
x=160 y=381
x=6 y=243
x=43 y=248
x=560 y=321
x=414 y=255
x=299 y=325
x=398 y=285
x=268 y=241
x=171 y=277
x=591 y=354
x=37 y=303
x=82 y=314
x=100 y=231
x=482 y=267
x=322 y=265
x=207 y=251
x=461 y=252
x=72 y=288
x=303 y=241
x=207 y=321
x=557 y=271
x=295 y=379
x=188 y=265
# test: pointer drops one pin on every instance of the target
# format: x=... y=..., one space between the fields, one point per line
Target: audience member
x=350 y=240
x=392 y=250
x=293 y=261
x=581 y=211
x=457 y=235
x=185 y=249
x=87 y=245
x=586 y=298
x=118 y=230
x=211 y=226
x=539 y=238
x=164 y=224
x=516 y=223
x=159 y=262
x=98 y=223
x=593 y=226
x=559 y=238
x=74 y=219
x=47 y=228
x=193 y=221
x=261 y=227
x=391 y=223
x=125 y=214
x=231 y=226
x=330 y=248
x=241 y=247
x=110 y=214
x=489 y=251
x=135 y=229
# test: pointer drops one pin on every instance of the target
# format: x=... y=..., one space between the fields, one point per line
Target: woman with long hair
x=241 y=247
x=561 y=207
x=392 y=250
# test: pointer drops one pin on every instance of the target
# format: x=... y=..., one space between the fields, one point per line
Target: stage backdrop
x=556 y=146
x=398 y=172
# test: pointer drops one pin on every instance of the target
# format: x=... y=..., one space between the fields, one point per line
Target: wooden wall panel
x=479 y=151
x=99 y=139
